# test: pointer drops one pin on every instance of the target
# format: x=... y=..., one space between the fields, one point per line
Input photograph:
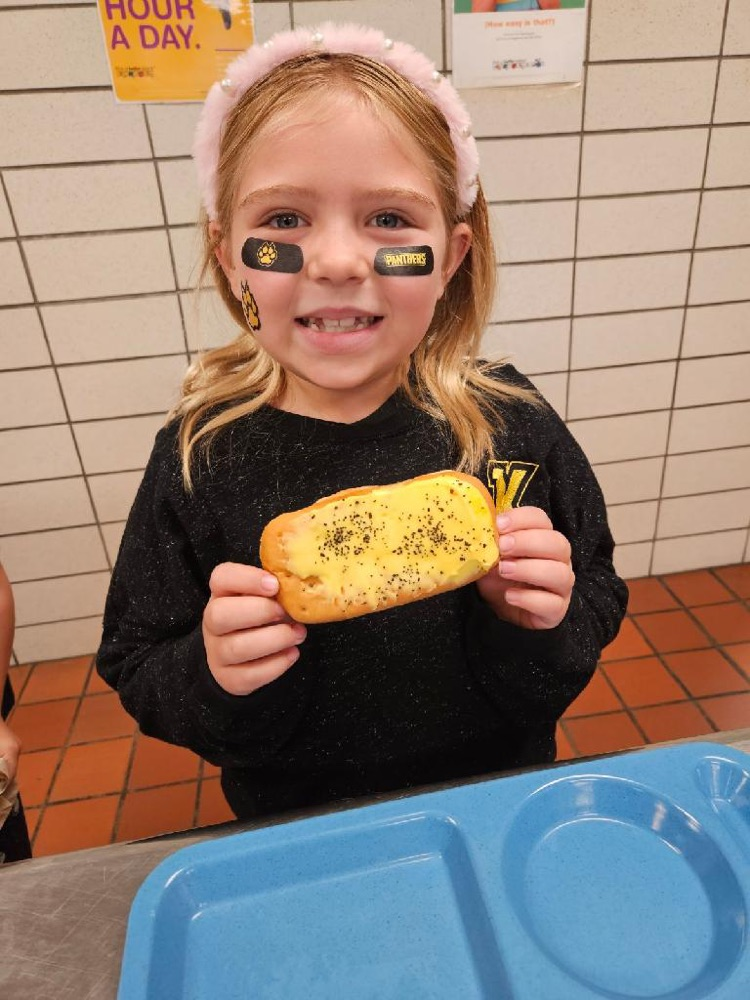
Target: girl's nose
x=337 y=257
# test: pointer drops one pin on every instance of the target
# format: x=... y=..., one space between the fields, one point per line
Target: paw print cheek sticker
x=250 y=308
x=267 y=255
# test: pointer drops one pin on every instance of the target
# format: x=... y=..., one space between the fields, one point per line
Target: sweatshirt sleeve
x=152 y=650
x=533 y=675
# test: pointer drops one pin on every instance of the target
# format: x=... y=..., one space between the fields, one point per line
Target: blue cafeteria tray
x=626 y=877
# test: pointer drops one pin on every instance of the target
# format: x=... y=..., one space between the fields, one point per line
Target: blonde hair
x=443 y=377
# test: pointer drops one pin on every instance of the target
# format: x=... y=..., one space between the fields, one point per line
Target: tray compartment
x=726 y=785
x=390 y=910
x=623 y=890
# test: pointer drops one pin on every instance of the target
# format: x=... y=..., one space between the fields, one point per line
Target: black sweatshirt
x=427 y=692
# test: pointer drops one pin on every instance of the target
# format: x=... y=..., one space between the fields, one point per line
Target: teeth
x=338 y=325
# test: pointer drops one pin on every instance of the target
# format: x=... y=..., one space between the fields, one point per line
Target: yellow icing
x=363 y=549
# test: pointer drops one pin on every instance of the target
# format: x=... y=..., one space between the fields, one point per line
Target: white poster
x=505 y=43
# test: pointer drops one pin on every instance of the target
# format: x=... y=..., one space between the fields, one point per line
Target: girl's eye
x=389 y=220
x=284 y=220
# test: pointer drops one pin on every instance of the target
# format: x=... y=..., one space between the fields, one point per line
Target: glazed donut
x=375 y=547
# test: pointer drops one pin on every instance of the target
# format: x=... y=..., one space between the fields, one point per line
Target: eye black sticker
x=266 y=255
x=405 y=261
x=250 y=308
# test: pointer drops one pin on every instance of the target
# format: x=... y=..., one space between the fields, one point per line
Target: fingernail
x=502 y=522
x=299 y=631
x=506 y=543
x=269 y=583
x=507 y=568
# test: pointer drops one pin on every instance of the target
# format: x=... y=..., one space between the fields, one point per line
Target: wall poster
x=172 y=50
x=505 y=43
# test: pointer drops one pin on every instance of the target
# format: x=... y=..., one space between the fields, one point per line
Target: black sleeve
x=152 y=650
x=534 y=675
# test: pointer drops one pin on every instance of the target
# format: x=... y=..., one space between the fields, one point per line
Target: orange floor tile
x=680 y=667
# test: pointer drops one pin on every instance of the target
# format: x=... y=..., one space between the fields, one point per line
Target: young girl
x=324 y=156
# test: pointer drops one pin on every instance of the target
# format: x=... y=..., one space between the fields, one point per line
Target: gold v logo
x=508 y=481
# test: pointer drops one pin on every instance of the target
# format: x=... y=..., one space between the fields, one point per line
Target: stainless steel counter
x=63 y=918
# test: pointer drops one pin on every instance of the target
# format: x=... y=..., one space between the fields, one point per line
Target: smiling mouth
x=348 y=325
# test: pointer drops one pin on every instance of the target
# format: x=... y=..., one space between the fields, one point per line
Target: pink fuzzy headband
x=259 y=60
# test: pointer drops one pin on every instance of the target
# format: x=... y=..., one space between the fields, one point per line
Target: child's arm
x=168 y=604
x=532 y=669
x=10 y=745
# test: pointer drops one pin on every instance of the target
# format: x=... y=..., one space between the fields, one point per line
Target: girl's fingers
x=544 y=609
x=521 y=518
x=535 y=543
x=543 y=574
x=243 y=679
x=233 y=579
x=231 y=614
x=254 y=644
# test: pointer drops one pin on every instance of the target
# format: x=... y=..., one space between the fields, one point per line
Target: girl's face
x=334 y=182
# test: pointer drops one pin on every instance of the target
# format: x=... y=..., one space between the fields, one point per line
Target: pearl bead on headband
x=259 y=60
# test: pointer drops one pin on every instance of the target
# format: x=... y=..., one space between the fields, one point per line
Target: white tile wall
x=617 y=439
x=706 y=428
x=528 y=231
x=713 y=380
x=677 y=555
x=60 y=599
x=642 y=29
x=37 y=453
x=627 y=482
x=681 y=516
x=30 y=398
x=116 y=445
x=63 y=552
x=707 y=470
x=717 y=330
x=626 y=338
x=22 y=343
x=651 y=94
x=737 y=35
x=724 y=218
x=114 y=493
x=120 y=388
x=76 y=126
x=84 y=198
x=633 y=522
x=729 y=156
x=6 y=222
x=627 y=389
x=114 y=328
x=180 y=188
x=519 y=169
x=74 y=267
x=630 y=162
x=55 y=503
x=609 y=226
x=530 y=291
x=533 y=347
x=622 y=284
x=34 y=58
x=14 y=285
x=513 y=111
x=112 y=534
x=733 y=94
x=720 y=276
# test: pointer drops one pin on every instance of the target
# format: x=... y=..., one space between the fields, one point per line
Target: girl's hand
x=533 y=583
x=10 y=748
x=249 y=638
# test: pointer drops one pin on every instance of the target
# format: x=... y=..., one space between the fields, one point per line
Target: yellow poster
x=172 y=50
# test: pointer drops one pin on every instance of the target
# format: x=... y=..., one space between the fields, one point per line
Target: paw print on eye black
x=267 y=254
x=250 y=308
